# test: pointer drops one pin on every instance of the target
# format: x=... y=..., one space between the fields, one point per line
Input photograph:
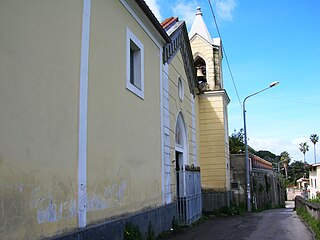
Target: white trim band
x=83 y=109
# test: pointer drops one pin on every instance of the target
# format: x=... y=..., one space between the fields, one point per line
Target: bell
x=199 y=73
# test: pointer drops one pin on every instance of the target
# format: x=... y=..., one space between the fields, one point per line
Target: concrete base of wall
x=214 y=200
x=160 y=219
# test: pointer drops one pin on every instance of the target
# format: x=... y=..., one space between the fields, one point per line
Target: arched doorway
x=181 y=154
x=188 y=178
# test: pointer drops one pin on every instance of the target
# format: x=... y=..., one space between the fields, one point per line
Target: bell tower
x=207 y=54
x=213 y=117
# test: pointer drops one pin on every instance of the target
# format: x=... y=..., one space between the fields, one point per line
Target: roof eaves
x=177 y=31
x=142 y=4
x=314 y=165
x=197 y=34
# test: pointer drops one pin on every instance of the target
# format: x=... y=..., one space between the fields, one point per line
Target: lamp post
x=246 y=144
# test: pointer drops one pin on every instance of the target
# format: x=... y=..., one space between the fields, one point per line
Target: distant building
x=314 y=180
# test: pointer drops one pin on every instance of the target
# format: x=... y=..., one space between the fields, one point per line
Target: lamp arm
x=253 y=95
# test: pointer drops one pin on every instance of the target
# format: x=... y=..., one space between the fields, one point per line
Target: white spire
x=200 y=27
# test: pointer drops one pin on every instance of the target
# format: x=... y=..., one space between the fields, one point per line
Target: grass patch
x=315 y=200
x=311 y=221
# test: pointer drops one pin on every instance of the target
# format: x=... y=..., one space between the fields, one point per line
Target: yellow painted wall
x=214 y=145
x=39 y=75
x=39 y=69
x=124 y=133
x=176 y=69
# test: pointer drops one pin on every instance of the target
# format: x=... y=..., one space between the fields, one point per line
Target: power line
x=292 y=100
x=225 y=54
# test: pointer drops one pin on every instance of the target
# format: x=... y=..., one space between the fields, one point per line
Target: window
x=180 y=89
x=134 y=65
x=234 y=185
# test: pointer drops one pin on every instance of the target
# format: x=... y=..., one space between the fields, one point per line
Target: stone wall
x=215 y=200
x=266 y=189
x=312 y=208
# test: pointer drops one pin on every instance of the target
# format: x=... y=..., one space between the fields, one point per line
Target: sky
x=266 y=41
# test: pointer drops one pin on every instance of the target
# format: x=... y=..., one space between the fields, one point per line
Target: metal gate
x=190 y=202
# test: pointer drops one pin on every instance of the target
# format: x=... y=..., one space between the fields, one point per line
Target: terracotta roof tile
x=167 y=22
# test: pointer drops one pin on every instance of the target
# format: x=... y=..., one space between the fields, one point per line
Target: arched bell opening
x=201 y=69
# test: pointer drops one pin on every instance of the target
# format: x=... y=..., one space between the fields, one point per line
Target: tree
x=314 y=139
x=304 y=148
x=285 y=159
x=296 y=171
x=236 y=142
x=269 y=156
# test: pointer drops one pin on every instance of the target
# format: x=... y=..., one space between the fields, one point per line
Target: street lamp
x=246 y=144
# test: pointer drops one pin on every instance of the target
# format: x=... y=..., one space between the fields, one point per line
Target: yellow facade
x=40 y=51
x=214 y=144
x=178 y=107
x=124 y=138
x=176 y=70
x=39 y=69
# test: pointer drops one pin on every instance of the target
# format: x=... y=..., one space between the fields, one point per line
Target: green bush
x=315 y=200
x=132 y=232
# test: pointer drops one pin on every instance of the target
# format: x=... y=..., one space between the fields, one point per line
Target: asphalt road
x=277 y=224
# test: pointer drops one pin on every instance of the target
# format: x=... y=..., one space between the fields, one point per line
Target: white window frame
x=138 y=62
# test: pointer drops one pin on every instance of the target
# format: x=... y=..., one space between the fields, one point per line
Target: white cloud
x=299 y=140
x=224 y=9
x=155 y=8
x=185 y=10
x=277 y=146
